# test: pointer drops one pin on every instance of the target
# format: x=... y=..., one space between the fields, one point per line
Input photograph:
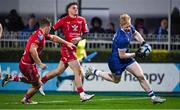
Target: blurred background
x=157 y=20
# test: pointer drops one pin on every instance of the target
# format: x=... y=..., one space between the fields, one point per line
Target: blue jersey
x=121 y=40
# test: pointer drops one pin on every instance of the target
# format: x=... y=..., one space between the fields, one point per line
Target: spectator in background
x=175 y=21
x=139 y=25
x=162 y=29
x=32 y=24
x=111 y=28
x=14 y=21
x=96 y=24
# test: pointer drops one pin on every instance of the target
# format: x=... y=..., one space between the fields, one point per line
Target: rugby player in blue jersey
x=121 y=59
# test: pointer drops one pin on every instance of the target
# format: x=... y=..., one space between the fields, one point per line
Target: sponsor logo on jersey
x=40 y=37
x=75 y=27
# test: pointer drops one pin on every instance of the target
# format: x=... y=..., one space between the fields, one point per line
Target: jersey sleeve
x=58 y=24
x=48 y=37
x=85 y=26
x=121 y=43
x=37 y=39
x=133 y=29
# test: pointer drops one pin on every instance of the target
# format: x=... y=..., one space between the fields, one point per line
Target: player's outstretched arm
x=57 y=39
x=35 y=56
x=76 y=40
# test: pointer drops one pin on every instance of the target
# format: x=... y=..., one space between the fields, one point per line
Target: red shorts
x=29 y=71
x=68 y=54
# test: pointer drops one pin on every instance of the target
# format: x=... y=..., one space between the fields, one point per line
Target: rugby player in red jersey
x=73 y=27
x=30 y=58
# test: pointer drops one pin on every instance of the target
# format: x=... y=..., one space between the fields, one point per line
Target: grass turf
x=55 y=101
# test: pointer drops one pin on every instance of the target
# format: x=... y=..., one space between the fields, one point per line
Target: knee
x=117 y=80
x=78 y=72
x=36 y=85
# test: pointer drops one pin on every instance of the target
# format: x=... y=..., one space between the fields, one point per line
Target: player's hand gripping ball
x=146 y=49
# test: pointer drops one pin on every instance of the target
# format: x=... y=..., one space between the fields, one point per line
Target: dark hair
x=13 y=12
x=44 y=21
x=96 y=19
x=112 y=24
x=32 y=16
x=69 y=5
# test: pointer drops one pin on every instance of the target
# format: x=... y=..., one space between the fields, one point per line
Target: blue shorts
x=117 y=65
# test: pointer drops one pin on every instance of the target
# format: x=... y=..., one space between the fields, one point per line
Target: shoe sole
x=88 y=99
x=29 y=103
x=42 y=93
x=87 y=75
x=5 y=80
x=159 y=102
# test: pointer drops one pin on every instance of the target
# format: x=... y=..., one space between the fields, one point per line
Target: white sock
x=81 y=94
x=97 y=72
x=153 y=97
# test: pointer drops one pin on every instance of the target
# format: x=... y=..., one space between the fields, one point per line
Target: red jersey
x=72 y=27
x=38 y=38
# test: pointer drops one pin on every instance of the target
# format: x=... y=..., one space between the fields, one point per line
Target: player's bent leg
x=30 y=93
x=61 y=67
x=8 y=77
x=137 y=71
x=76 y=68
x=106 y=75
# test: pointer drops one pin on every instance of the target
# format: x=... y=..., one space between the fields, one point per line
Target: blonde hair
x=125 y=19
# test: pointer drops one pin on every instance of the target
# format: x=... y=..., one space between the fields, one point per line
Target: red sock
x=44 y=79
x=80 y=89
x=14 y=78
x=27 y=96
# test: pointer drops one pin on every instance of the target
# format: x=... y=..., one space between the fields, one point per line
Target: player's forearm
x=126 y=55
x=76 y=40
x=35 y=56
x=138 y=37
x=57 y=39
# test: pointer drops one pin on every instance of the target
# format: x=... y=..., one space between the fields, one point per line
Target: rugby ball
x=146 y=49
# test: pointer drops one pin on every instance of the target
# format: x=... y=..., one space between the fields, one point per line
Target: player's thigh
x=30 y=72
x=34 y=75
x=75 y=66
x=61 y=67
x=116 y=78
x=135 y=69
x=25 y=70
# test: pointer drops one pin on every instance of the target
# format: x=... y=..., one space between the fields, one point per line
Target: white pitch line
x=12 y=103
x=42 y=102
x=137 y=98
x=54 y=101
x=66 y=101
